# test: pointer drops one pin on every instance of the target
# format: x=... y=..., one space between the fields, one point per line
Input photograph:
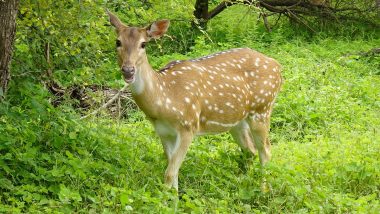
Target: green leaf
x=73 y=135
x=123 y=199
x=67 y=195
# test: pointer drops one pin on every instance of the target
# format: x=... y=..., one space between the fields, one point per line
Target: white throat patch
x=137 y=87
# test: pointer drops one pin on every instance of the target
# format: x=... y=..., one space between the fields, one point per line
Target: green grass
x=325 y=136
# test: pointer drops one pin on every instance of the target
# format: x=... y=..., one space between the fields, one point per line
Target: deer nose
x=128 y=69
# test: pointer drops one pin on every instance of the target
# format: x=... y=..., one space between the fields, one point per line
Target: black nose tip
x=127 y=69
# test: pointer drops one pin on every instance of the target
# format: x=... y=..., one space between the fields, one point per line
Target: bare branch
x=219 y=8
x=113 y=99
x=266 y=24
x=294 y=8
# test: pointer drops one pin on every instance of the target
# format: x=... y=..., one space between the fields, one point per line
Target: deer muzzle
x=128 y=73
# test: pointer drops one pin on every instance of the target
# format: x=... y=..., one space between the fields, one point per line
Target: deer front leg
x=176 y=153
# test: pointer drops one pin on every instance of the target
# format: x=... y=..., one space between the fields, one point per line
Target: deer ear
x=114 y=20
x=158 y=28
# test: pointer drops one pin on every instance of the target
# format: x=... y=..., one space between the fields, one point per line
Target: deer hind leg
x=259 y=126
x=243 y=137
x=176 y=152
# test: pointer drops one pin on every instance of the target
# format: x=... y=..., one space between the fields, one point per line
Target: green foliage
x=325 y=126
x=81 y=39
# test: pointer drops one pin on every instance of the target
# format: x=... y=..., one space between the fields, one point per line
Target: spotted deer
x=232 y=90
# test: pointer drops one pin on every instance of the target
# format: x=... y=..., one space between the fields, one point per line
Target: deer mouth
x=129 y=77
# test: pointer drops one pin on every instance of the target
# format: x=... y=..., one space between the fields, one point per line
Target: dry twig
x=113 y=99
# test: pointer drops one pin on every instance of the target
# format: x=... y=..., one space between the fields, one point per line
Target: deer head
x=131 y=42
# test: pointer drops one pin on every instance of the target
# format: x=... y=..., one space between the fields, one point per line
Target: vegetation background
x=325 y=126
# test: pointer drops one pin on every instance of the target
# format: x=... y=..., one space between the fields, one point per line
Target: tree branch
x=219 y=8
x=294 y=8
x=113 y=99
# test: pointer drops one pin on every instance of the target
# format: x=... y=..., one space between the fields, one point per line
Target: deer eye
x=143 y=45
x=118 y=43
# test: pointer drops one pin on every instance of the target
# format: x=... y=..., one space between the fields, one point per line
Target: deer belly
x=217 y=125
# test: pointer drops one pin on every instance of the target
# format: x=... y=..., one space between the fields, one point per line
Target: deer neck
x=143 y=88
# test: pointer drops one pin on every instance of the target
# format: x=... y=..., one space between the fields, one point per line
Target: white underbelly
x=215 y=127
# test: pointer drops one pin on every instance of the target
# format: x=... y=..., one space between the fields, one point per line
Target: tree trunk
x=8 y=12
x=201 y=13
